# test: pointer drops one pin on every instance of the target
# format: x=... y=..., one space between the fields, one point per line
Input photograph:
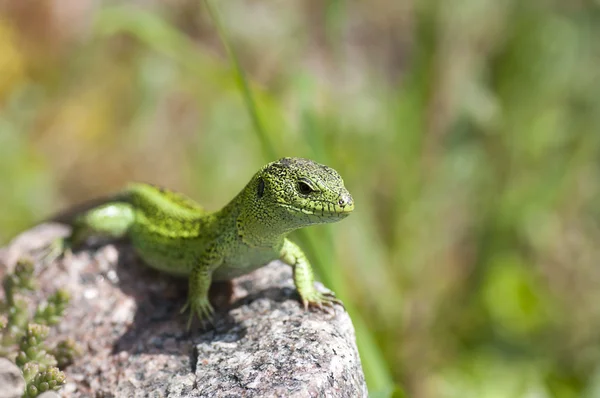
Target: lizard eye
x=304 y=188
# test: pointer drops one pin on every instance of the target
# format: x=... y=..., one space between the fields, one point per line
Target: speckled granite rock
x=12 y=383
x=126 y=317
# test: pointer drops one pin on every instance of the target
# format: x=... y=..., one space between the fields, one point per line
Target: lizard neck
x=258 y=223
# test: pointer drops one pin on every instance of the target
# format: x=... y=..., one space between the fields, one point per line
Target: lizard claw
x=56 y=249
x=323 y=301
x=200 y=307
x=331 y=299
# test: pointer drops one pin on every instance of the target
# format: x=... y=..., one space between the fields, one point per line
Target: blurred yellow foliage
x=12 y=65
x=84 y=116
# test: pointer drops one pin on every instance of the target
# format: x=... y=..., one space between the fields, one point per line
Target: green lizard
x=174 y=234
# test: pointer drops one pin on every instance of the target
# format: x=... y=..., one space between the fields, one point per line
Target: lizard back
x=169 y=230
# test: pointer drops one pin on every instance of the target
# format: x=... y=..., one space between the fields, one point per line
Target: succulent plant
x=23 y=335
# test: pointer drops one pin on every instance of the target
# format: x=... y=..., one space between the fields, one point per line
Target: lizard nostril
x=345 y=200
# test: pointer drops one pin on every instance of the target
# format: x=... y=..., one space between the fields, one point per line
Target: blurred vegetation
x=468 y=133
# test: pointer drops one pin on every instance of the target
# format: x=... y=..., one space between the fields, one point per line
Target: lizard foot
x=200 y=307
x=323 y=301
x=56 y=249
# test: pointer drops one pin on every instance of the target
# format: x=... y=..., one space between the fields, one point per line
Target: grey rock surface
x=12 y=383
x=49 y=394
x=126 y=317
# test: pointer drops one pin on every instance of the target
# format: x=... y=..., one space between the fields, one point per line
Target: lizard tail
x=68 y=216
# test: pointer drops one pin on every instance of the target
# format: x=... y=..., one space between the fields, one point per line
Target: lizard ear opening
x=261 y=188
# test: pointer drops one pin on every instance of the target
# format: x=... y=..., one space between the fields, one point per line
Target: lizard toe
x=55 y=250
x=325 y=301
x=200 y=308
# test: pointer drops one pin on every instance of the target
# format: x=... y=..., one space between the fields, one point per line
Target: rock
x=49 y=394
x=12 y=384
x=126 y=317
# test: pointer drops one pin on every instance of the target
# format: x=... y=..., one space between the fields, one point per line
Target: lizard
x=174 y=234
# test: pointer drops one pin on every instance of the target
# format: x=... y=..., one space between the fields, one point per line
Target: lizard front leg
x=304 y=278
x=199 y=283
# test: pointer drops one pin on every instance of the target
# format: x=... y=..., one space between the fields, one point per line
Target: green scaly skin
x=172 y=233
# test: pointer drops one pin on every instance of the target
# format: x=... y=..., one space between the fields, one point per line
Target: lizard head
x=303 y=192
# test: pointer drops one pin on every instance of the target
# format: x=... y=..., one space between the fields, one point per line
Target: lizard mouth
x=338 y=211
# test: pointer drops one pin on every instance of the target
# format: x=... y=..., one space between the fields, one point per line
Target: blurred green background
x=468 y=133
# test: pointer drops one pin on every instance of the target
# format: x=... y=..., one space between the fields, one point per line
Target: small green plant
x=23 y=336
